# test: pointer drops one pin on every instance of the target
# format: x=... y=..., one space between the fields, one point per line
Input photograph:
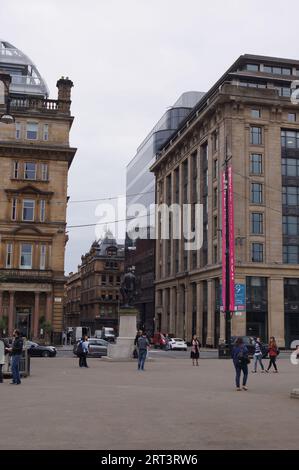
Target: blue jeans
x=258 y=358
x=141 y=358
x=243 y=368
x=15 y=368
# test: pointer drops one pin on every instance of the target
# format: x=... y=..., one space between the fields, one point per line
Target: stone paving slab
x=171 y=405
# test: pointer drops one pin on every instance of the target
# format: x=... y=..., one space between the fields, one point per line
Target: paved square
x=171 y=405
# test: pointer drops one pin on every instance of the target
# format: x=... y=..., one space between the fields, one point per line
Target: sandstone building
x=249 y=115
x=35 y=156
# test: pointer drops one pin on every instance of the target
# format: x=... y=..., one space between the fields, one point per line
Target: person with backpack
x=273 y=353
x=195 y=347
x=82 y=351
x=241 y=361
x=143 y=345
x=258 y=355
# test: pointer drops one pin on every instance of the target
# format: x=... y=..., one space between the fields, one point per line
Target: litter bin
x=24 y=365
x=224 y=351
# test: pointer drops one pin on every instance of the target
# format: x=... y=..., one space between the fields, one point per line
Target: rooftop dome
x=26 y=79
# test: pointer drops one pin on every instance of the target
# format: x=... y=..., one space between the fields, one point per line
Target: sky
x=129 y=61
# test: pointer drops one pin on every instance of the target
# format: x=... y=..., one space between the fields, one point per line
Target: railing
x=25 y=274
x=40 y=104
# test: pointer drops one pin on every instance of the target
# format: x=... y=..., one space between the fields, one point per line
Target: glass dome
x=25 y=78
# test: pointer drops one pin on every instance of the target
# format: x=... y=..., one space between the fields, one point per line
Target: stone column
x=164 y=311
x=11 y=313
x=49 y=307
x=188 y=313
x=211 y=312
x=172 y=302
x=199 y=310
x=1 y=303
x=36 y=315
x=276 y=310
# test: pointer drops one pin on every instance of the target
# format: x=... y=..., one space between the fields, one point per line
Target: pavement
x=171 y=405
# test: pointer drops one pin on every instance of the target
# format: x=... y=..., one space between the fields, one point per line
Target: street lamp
x=6 y=118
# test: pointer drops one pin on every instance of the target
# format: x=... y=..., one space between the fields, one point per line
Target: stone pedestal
x=123 y=349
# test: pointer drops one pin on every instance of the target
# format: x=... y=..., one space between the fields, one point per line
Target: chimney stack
x=64 y=86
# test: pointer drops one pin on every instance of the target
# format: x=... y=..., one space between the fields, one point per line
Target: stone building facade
x=35 y=157
x=72 y=299
x=247 y=115
x=98 y=279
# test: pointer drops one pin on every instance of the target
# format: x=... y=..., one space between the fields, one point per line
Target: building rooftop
x=26 y=79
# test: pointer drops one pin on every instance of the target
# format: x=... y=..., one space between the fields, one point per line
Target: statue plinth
x=122 y=349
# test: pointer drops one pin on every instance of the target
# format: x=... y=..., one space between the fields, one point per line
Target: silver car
x=97 y=347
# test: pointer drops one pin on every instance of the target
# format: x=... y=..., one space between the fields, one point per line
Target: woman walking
x=273 y=353
x=195 y=347
x=258 y=355
x=241 y=361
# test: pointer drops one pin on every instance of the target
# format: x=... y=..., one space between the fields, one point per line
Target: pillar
x=1 y=303
x=188 y=313
x=49 y=307
x=211 y=312
x=276 y=310
x=11 y=313
x=36 y=315
x=199 y=310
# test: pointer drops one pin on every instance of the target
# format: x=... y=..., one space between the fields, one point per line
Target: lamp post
x=6 y=118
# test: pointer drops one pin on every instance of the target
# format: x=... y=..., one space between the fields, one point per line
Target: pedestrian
x=273 y=353
x=195 y=347
x=241 y=361
x=143 y=345
x=64 y=338
x=16 y=353
x=69 y=338
x=2 y=358
x=135 y=352
x=82 y=351
x=258 y=355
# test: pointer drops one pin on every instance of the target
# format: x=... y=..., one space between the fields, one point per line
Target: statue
x=128 y=289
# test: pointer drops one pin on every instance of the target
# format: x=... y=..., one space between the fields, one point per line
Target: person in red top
x=273 y=353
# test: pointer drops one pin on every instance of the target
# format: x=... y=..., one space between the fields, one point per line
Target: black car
x=39 y=350
x=249 y=342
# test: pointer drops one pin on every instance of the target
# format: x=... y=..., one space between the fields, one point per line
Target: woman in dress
x=195 y=347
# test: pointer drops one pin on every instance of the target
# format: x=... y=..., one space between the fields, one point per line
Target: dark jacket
x=236 y=352
x=17 y=346
x=143 y=343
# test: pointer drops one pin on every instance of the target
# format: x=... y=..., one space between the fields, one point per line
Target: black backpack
x=80 y=348
x=243 y=358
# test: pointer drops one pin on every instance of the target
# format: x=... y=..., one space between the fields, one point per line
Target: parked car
x=97 y=347
x=39 y=350
x=177 y=344
x=159 y=341
x=249 y=343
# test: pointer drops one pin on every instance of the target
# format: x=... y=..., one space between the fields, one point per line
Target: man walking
x=16 y=353
x=143 y=344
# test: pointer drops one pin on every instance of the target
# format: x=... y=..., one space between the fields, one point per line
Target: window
x=290 y=167
x=215 y=141
x=18 y=130
x=252 y=84
x=215 y=254
x=14 y=209
x=256 y=289
x=8 y=263
x=292 y=117
x=42 y=260
x=15 y=170
x=255 y=113
x=291 y=254
x=26 y=256
x=257 y=252
x=255 y=135
x=284 y=91
x=256 y=223
x=215 y=197
x=32 y=128
x=215 y=226
x=46 y=132
x=256 y=193
x=252 y=67
x=215 y=168
x=256 y=166
x=28 y=210
x=290 y=139
x=290 y=225
x=30 y=171
x=290 y=195
x=44 y=171
x=42 y=210
x=277 y=70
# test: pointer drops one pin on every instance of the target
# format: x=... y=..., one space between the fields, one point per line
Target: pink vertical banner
x=231 y=238
x=223 y=232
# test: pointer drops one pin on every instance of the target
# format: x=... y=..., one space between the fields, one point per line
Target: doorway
x=23 y=321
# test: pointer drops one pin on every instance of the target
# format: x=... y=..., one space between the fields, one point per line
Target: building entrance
x=23 y=321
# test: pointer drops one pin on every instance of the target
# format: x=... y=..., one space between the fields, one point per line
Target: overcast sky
x=129 y=60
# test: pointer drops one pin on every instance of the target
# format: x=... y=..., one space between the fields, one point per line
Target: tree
x=3 y=325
